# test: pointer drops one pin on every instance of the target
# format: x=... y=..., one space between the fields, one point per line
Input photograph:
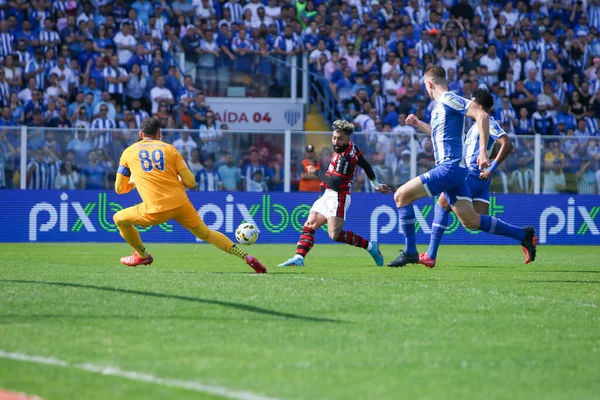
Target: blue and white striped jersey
x=448 y=128
x=6 y=44
x=207 y=181
x=472 y=143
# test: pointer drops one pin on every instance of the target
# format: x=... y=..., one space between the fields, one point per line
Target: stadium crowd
x=97 y=68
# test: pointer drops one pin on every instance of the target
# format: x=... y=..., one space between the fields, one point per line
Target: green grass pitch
x=481 y=325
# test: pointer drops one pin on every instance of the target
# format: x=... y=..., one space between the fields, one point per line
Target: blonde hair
x=343 y=126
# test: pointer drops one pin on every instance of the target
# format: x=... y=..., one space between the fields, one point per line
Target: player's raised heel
x=256 y=265
x=293 y=262
x=426 y=261
x=529 y=244
x=404 y=259
x=376 y=254
x=135 y=259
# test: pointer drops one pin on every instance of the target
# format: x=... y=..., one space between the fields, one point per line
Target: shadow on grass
x=596 y=271
x=149 y=318
x=571 y=281
x=237 y=306
x=271 y=273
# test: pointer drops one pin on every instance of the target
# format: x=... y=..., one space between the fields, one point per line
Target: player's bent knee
x=119 y=219
x=401 y=197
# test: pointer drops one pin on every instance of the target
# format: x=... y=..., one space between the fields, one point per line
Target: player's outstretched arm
x=483 y=123
x=123 y=183
x=421 y=126
x=380 y=187
x=187 y=178
x=506 y=147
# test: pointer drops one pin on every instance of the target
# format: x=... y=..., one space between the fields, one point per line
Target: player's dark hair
x=151 y=127
x=484 y=98
x=343 y=126
x=437 y=73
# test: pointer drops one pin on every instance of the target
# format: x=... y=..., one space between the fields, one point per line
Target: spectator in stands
x=426 y=159
x=101 y=128
x=210 y=137
x=521 y=179
x=160 y=94
x=309 y=182
x=198 y=111
x=194 y=163
x=586 y=178
x=230 y=174
x=80 y=119
x=115 y=148
x=257 y=184
x=68 y=178
x=12 y=75
x=136 y=86
x=492 y=62
x=401 y=165
x=37 y=171
x=7 y=154
x=184 y=145
x=64 y=75
x=207 y=63
x=166 y=119
x=62 y=120
x=106 y=102
x=543 y=122
x=125 y=42
x=115 y=78
x=94 y=175
x=138 y=113
x=93 y=90
x=554 y=179
x=207 y=179
x=253 y=165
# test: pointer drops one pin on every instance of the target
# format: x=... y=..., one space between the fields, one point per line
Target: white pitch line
x=139 y=376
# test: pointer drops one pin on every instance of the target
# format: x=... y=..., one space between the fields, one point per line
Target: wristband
x=493 y=166
x=374 y=183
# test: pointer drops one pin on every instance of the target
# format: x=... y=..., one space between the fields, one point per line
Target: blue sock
x=407 y=222
x=440 y=222
x=496 y=226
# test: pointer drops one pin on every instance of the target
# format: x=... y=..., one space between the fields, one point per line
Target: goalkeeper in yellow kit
x=160 y=176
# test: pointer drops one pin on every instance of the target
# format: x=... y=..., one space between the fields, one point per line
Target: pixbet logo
x=569 y=220
x=391 y=218
x=96 y=216
x=84 y=218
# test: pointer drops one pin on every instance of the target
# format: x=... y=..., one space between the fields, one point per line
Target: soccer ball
x=246 y=234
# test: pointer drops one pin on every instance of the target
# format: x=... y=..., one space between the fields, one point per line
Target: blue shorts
x=449 y=179
x=479 y=188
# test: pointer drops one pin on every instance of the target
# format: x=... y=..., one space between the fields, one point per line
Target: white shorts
x=332 y=204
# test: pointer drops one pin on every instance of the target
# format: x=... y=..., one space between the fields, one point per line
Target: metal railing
x=32 y=157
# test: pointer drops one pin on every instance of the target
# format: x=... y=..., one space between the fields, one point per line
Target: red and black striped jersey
x=343 y=166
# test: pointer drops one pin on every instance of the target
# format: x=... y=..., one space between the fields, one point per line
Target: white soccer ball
x=246 y=234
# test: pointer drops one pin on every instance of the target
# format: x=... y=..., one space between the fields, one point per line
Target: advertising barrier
x=86 y=216
x=260 y=116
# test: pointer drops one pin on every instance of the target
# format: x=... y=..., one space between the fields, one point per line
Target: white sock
x=369 y=246
x=299 y=256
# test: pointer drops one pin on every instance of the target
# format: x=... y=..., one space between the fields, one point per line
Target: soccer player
x=160 y=177
x=477 y=181
x=331 y=208
x=449 y=175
